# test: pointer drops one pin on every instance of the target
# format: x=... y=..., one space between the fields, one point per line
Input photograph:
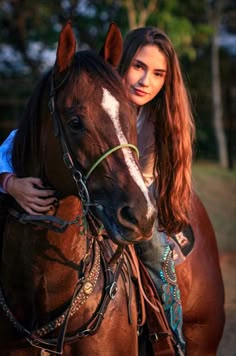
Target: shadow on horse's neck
x=45 y=260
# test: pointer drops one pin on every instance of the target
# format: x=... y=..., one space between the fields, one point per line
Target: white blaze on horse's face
x=111 y=106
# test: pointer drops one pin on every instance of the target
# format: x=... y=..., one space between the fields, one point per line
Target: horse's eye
x=76 y=123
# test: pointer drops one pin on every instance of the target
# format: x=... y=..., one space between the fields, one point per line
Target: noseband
x=78 y=177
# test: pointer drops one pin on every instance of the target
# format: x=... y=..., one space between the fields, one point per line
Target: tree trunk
x=138 y=13
x=216 y=90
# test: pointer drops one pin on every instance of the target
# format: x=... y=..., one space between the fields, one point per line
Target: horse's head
x=92 y=126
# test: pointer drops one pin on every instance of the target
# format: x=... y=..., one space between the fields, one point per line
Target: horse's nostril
x=127 y=214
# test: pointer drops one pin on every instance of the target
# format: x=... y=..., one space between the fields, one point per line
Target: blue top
x=6 y=155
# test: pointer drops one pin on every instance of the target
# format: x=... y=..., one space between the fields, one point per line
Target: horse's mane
x=26 y=155
x=26 y=144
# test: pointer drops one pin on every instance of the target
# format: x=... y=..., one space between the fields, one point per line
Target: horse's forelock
x=100 y=74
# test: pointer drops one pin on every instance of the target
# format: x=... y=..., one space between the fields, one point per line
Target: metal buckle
x=68 y=160
x=85 y=333
x=153 y=337
x=113 y=290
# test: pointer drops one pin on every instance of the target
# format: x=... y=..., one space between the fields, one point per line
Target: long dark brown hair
x=174 y=131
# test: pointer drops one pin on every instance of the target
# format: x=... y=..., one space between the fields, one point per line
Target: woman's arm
x=6 y=154
x=29 y=192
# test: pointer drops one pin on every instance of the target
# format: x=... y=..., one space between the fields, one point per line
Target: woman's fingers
x=36 y=187
x=45 y=202
x=35 y=209
x=43 y=193
x=31 y=195
x=34 y=181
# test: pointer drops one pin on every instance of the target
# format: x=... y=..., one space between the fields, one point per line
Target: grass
x=216 y=187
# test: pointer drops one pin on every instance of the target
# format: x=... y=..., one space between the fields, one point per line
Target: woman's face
x=146 y=74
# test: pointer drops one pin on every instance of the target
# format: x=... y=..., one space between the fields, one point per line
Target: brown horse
x=59 y=278
x=48 y=263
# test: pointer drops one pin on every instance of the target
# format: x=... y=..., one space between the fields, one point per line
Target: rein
x=83 y=289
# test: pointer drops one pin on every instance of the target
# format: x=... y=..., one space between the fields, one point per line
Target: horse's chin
x=117 y=236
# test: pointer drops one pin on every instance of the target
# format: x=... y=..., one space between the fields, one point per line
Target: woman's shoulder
x=9 y=140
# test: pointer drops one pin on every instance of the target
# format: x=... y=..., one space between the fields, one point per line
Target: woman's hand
x=31 y=195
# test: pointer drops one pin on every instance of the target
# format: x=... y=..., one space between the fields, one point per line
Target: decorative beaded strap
x=86 y=290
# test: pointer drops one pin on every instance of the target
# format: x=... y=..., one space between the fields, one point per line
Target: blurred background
x=204 y=35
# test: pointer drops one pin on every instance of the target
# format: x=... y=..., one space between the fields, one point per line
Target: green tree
x=215 y=14
x=28 y=28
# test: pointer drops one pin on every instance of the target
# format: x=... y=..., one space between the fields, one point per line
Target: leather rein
x=83 y=289
x=87 y=278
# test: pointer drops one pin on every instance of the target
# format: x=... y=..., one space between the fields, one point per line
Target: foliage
x=29 y=29
x=24 y=22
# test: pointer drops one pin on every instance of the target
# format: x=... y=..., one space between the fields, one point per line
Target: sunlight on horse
x=83 y=145
x=67 y=287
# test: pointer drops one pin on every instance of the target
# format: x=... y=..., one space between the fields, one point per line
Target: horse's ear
x=113 y=46
x=66 y=48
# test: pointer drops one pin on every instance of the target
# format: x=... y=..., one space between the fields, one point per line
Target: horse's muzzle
x=126 y=227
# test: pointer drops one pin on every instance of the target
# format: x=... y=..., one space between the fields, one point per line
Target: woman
x=151 y=73
x=152 y=77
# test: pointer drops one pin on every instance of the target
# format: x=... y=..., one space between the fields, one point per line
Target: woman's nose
x=144 y=80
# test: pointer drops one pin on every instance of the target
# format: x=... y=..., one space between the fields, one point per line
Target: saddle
x=183 y=244
x=159 y=333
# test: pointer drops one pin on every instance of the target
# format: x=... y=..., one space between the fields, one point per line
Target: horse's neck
x=36 y=263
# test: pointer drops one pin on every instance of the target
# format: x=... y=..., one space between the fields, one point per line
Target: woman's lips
x=139 y=92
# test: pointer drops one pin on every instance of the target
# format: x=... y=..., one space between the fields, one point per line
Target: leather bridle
x=52 y=222
x=79 y=178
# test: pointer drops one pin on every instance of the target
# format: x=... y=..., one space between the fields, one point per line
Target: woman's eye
x=76 y=123
x=137 y=66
